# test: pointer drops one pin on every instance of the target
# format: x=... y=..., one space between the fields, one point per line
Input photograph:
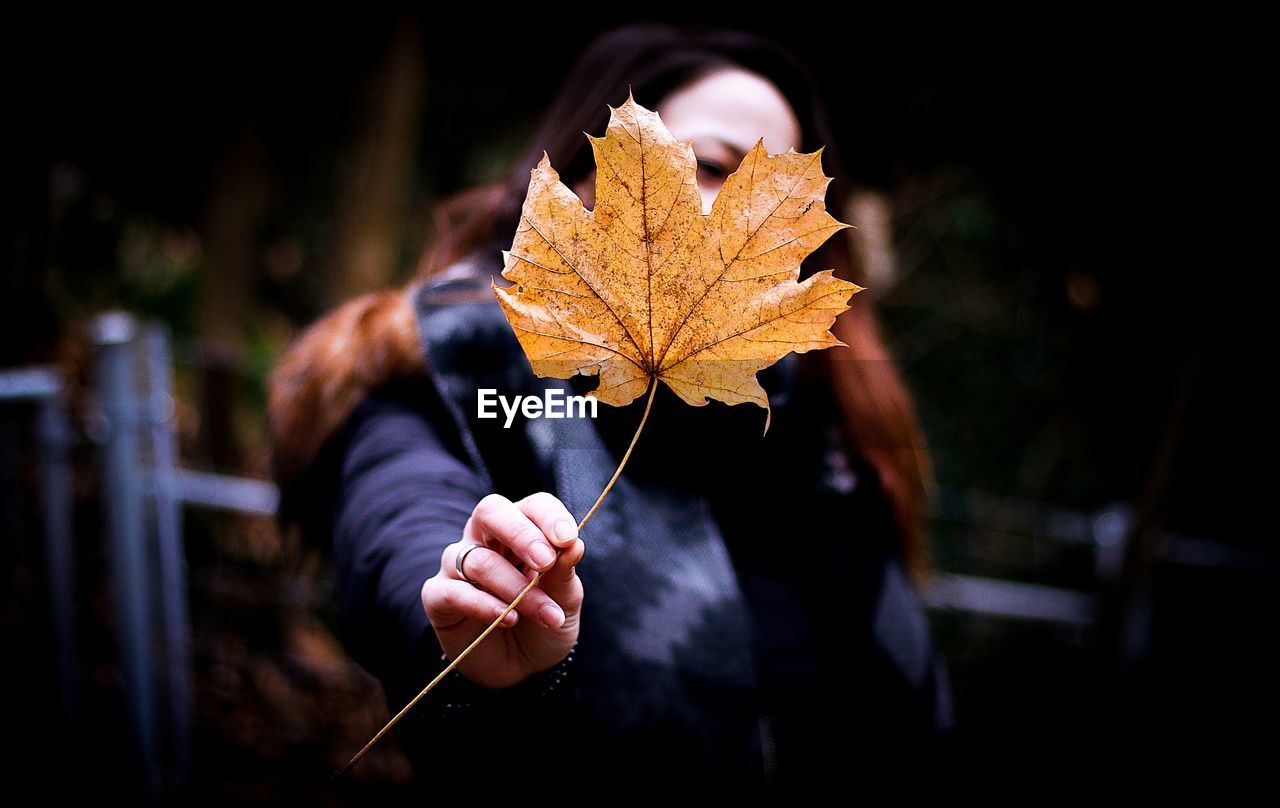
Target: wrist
x=463 y=695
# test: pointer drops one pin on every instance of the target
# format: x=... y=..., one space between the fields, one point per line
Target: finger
x=501 y=519
x=496 y=575
x=472 y=533
x=448 y=602
x=561 y=582
x=551 y=516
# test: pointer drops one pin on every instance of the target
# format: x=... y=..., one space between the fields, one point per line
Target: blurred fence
x=130 y=421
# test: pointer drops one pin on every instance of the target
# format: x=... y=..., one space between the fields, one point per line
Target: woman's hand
x=543 y=628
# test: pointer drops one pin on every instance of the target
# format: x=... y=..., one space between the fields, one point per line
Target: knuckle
x=575 y=591
x=490 y=504
x=449 y=551
x=483 y=563
x=542 y=500
x=435 y=602
x=526 y=533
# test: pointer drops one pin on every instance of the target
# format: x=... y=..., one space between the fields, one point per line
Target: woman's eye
x=711 y=167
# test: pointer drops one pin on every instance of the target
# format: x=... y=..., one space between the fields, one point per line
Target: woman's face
x=724 y=113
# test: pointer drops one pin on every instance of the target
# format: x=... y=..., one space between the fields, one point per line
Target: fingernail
x=566 y=530
x=542 y=554
x=551 y=616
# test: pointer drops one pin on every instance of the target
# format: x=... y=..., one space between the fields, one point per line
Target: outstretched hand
x=516 y=541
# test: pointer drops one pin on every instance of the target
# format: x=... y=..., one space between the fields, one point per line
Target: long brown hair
x=317 y=382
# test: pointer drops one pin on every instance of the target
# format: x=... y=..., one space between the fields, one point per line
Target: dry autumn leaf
x=646 y=286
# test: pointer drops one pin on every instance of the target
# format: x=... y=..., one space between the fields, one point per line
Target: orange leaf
x=646 y=285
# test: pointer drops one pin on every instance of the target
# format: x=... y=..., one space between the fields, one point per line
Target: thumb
x=561 y=582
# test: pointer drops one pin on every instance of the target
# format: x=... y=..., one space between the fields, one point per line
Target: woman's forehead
x=732 y=106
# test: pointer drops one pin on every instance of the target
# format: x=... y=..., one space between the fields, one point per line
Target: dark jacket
x=747 y=618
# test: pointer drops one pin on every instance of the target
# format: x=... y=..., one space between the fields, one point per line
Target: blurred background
x=1045 y=261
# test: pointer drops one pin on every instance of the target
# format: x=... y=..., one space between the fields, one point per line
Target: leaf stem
x=653 y=388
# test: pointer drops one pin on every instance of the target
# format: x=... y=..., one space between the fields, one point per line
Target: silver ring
x=459 y=558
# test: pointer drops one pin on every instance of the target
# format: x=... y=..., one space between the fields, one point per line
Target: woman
x=739 y=612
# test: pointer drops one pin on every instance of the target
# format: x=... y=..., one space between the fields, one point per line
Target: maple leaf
x=646 y=286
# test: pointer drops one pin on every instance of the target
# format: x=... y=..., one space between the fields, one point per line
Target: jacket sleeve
x=401 y=498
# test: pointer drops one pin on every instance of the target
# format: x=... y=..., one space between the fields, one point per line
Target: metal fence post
x=175 y=622
x=114 y=335
x=55 y=473
x=45 y=387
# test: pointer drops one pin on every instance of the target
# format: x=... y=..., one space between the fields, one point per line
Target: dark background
x=1068 y=305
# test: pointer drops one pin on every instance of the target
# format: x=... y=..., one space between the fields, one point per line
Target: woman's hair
x=364 y=342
